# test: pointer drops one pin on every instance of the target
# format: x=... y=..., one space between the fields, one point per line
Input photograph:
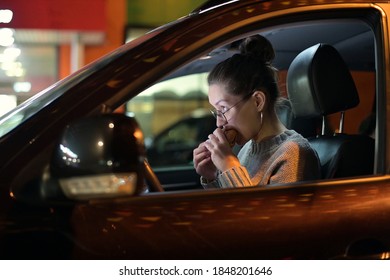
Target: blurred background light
x=22 y=86
x=7 y=102
x=6 y=16
x=6 y=37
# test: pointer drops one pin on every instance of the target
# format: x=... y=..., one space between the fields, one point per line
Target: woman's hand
x=203 y=164
x=220 y=151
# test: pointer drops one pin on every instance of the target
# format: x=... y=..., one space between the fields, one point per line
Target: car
x=174 y=145
x=75 y=182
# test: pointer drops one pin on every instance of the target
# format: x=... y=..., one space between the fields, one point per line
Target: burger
x=231 y=136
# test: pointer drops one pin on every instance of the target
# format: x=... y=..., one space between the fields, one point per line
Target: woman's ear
x=260 y=99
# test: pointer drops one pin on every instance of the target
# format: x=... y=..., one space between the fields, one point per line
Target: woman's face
x=241 y=112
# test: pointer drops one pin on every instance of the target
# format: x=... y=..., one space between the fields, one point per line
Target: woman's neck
x=270 y=127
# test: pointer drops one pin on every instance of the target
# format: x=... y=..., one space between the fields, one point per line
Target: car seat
x=319 y=84
x=307 y=127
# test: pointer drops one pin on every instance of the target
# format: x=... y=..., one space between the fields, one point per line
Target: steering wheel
x=154 y=184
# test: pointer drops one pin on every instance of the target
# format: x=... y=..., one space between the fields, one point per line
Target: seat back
x=307 y=127
x=318 y=84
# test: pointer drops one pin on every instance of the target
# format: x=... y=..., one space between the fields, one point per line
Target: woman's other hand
x=220 y=151
x=203 y=163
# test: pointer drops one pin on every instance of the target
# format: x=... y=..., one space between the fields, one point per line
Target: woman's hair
x=248 y=71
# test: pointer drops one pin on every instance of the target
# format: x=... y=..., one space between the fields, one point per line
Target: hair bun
x=259 y=47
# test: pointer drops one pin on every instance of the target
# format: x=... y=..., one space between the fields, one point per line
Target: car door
x=325 y=219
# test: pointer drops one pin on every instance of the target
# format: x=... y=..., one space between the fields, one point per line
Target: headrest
x=319 y=83
x=307 y=127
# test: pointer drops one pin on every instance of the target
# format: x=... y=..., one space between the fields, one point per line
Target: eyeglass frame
x=218 y=113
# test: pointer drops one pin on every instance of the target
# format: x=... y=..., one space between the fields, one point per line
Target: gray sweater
x=284 y=158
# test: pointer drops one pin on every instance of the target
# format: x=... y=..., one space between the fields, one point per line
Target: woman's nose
x=221 y=122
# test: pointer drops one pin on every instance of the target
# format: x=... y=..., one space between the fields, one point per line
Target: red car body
x=325 y=219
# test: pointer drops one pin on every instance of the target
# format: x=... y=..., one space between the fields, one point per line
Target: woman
x=244 y=92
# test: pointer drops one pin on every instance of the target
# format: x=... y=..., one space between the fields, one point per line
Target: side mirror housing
x=98 y=157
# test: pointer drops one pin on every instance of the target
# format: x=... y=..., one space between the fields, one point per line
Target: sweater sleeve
x=235 y=177
x=209 y=184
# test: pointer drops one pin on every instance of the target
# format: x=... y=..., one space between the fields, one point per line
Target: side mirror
x=98 y=157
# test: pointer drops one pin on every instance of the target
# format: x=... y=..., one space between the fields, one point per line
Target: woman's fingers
x=200 y=154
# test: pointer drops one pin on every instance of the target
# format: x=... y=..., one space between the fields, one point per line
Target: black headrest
x=307 y=127
x=319 y=83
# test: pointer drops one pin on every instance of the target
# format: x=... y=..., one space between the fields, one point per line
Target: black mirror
x=98 y=157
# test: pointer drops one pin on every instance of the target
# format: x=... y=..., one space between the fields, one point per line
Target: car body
x=324 y=219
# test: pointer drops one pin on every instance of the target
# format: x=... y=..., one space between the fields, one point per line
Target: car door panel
x=311 y=221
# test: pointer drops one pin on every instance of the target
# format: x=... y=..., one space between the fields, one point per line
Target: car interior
x=336 y=60
x=311 y=80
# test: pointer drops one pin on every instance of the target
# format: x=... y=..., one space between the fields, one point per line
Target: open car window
x=174 y=114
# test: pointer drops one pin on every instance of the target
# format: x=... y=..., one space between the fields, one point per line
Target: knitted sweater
x=284 y=158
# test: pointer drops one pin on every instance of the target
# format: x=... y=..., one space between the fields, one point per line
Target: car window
x=174 y=145
x=165 y=110
x=174 y=116
x=41 y=100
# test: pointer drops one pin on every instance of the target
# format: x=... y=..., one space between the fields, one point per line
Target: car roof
x=213 y=4
x=352 y=38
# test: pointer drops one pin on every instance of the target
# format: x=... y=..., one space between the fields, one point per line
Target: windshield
x=36 y=103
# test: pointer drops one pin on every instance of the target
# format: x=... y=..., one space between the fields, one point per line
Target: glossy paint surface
x=315 y=220
x=252 y=224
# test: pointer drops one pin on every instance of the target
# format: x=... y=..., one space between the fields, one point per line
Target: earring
x=261 y=125
x=261 y=121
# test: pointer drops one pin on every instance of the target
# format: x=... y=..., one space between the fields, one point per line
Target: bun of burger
x=231 y=136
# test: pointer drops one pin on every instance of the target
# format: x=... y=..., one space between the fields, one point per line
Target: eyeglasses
x=219 y=114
